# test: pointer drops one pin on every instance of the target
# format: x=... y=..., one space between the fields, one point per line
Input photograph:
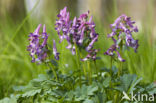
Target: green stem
x=96 y=70
x=111 y=66
x=61 y=61
x=90 y=72
x=84 y=70
x=53 y=69
x=83 y=67
x=120 y=68
x=111 y=74
x=121 y=63
x=78 y=63
x=117 y=97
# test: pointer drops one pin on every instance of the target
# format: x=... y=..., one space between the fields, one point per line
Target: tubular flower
x=123 y=24
x=91 y=55
x=80 y=32
x=38 y=45
x=122 y=28
x=55 y=53
x=131 y=42
x=63 y=24
x=112 y=49
x=90 y=46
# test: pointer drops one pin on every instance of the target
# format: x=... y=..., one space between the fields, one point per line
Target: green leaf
x=100 y=97
x=18 y=88
x=41 y=78
x=31 y=93
x=106 y=82
x=70 y=95
x=128 y=83
x=151 y=89
x=91 y=90
x=109 y=102
x=88 y=101
x=12 y=99
x=134 y=83
x=84 y=92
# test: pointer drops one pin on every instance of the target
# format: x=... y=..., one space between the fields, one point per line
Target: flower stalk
x=90 y=72
x=78 y=64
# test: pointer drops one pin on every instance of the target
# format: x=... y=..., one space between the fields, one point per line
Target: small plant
x=84 y=85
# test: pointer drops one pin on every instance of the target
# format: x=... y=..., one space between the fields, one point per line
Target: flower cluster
x=112 y=49
x=63 y=24
x=38 y=45
x=80 y=32
x=122 y=28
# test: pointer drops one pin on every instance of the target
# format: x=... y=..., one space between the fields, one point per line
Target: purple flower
x=73 y=50
x=82 y=36
x=84 y=16
x=111 y=34
x=63 y=24
x=123 y=24
x=44 y=36
x=56 y=54
x=119 y=56
x=122 y=29
x=90 y=46
x=37 y=45
x=131 y=42
x=80 y=32
x=112 y=49
x=91 y=55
